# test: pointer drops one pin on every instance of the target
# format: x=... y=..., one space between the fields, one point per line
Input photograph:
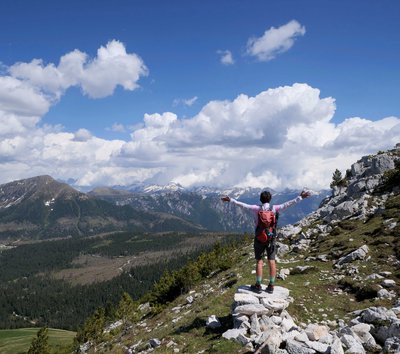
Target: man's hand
x=226 y=199
x=305 y=194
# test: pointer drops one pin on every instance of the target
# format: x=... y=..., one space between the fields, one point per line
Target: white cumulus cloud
x=97 y=77
x=275 y=41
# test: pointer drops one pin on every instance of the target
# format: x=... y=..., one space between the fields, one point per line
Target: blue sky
x=344 y=52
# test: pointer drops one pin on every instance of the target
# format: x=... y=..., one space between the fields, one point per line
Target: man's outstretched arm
x=243 y=205
x=303 y=195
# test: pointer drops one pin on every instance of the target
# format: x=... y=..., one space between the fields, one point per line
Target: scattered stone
x=374 y=276
x=302 y=269
x=388 y=283
x=154 y=342
x=283 y=273
x=213 y=322
x=189 y=299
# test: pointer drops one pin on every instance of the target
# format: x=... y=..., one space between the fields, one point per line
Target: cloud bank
x=282 y=137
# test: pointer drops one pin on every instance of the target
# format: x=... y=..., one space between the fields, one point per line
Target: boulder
x=360 y=253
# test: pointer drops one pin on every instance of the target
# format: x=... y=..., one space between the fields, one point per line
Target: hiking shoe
x=270 y=289
x=256 y=288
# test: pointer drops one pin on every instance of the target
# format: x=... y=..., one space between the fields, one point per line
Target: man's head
x=265 y=197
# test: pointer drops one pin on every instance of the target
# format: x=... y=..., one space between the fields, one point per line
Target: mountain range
x=41 y=207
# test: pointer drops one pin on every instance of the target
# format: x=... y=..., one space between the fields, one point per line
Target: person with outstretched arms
x=265 y=218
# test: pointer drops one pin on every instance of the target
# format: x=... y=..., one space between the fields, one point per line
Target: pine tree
x=337 y=179
x=40 y=343
x=126 y=310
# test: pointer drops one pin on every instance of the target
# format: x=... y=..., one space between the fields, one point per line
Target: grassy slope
x=315 y=302
x=13 y=341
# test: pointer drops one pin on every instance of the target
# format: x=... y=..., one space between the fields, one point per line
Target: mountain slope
x=41 y=207
x=341 y=263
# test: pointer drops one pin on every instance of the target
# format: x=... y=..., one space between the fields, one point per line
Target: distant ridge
x=41 y=207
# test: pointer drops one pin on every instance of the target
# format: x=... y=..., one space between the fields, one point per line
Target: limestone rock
x=295 y=347
x=213 y=322
x=360 y=253
x=244 y=298
x=251 y=309
x=315 y=332
x=233 y=333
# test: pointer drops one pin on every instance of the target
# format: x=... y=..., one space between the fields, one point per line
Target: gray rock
x=213 y=322
x=243 y=299
x=388 y=283
x=251 y=309
x=353 y=344
x=295 y=347
x=302 y=337
x=273 y=340
x=275 y=304
x=154 y=342
x=315 y=332
x=302 y=269
x=377 y=315
x=336 y=346
x=255 y=325
x=362 y=330
x=244 y=340
x=238 y=320
x=360 y=253
x=233 y=333
x=318 y=347
x=392 y=346
x=279 y=292
x=374 y=276
x=385 y=294
x=283 y=273
x=282 y=249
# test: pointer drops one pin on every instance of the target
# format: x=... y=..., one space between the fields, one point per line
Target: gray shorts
x=269 y=248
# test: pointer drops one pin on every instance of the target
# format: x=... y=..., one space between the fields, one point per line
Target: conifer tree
x=40 y=343
x=126 y=310
x=337 y=179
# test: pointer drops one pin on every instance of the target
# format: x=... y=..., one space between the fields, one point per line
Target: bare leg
x=259 y=268
x=272 y=270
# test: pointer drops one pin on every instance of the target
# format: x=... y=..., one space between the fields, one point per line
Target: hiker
x=265 y=233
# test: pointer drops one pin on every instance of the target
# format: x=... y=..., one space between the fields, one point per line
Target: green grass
x=16 y=341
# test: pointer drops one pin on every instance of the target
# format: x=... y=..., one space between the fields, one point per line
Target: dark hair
x=265 y=197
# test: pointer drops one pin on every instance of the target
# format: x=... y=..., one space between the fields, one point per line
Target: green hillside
x=15 y=341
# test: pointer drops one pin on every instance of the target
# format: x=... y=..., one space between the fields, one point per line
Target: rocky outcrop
x=262 y=324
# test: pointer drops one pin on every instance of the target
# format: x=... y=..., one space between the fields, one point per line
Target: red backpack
x=266 y=226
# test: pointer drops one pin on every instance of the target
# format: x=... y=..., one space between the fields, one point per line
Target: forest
x=31 y=296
